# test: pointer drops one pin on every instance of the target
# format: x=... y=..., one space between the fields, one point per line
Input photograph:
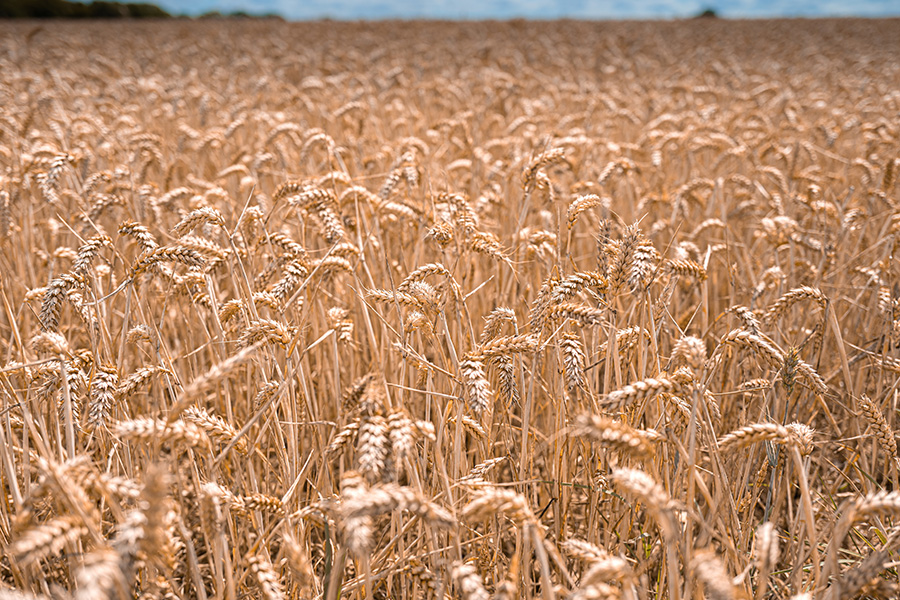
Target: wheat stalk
x=640 y=486
x=616 y=435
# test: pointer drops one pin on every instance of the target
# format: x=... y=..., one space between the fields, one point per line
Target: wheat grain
x=802 y=437
x=757 y=432
x=469 y=582
x=582 y=204
x=642 y=487
x=101 y=576
x=372 y=446
x=792 y=297
x=554 y=156
x=130 y=385
x=494 y=321
x=471 y=425
x=691 y=350
x=748 y=318
x=477 y=388
x=389 y=297
x=687 y=268
x=571 y=285
x=584 y=551
x=584 y=315
x=508 y=386
x=765 y=551
x=616 y=435
x=388 y=497
x=573 y=361
x=179 y=254
x=758 y=344
x=104 y=385
x=267 y=579
x=87 y=253
x=505 y=346
x=215 y=427
x=709 y=569
x=196 y=218
x=477 y=472
x=146 y=430
x=856 y=580
x=607 y=568
x=44 y=540
x=640 y=391
x=490 y=501
x=883 y=431
x=266 y=330
x=50 y=343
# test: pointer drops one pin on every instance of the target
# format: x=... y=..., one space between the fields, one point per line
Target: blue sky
x=537 y=9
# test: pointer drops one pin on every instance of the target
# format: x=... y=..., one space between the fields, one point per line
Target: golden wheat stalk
x=490 y=501
x=469 y=582
x=757 y=432
x=792 y=297
x=45 y=540
x=616 y=435
x=640 y=486
x=884 y=434
x=640 y=391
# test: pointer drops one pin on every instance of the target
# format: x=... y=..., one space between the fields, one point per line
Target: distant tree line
x=238 y=14
x=63 y=9
x=99 y=9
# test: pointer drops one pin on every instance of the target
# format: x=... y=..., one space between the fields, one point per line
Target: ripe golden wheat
x=430 y=310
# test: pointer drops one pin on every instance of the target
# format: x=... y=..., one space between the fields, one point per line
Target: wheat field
x=449 y=310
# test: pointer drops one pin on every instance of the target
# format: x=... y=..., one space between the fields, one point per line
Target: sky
x=536 y=9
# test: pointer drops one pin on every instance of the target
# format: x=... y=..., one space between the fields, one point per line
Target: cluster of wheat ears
x=431 y=310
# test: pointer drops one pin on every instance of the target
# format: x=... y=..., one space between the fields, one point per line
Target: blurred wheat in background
x=432 y=310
